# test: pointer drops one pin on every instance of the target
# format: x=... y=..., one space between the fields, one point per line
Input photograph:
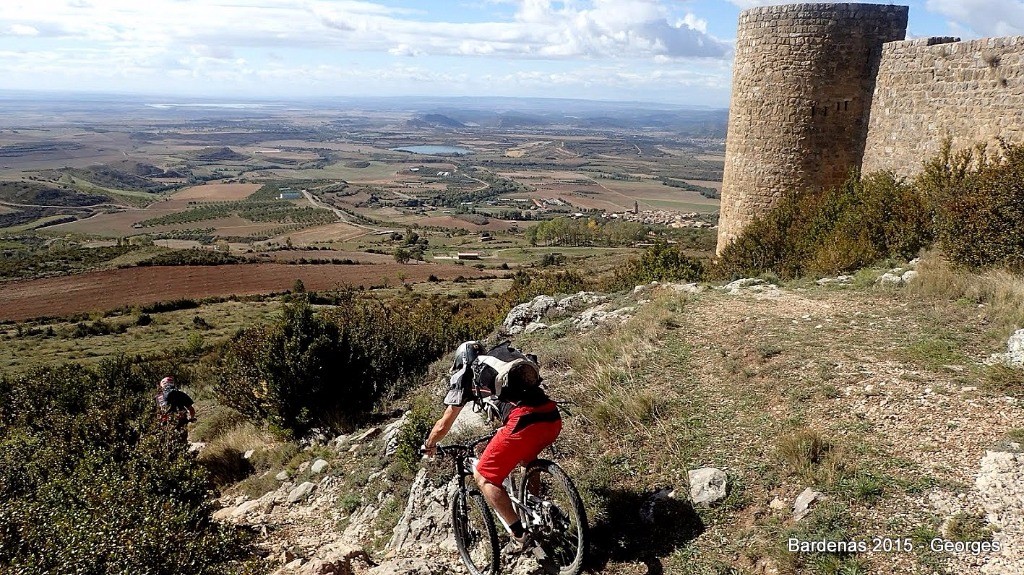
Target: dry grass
x=242 y=437
x=815 y=387
x=1000 y=292
x=811 y=457
x=224 y=455
x=611 y=381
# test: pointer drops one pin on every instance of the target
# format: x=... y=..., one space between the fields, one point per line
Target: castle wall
x=972 y=91
x=803 y=77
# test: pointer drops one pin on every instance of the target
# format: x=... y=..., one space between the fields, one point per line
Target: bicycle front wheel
x=557 y=518
x=475 y=534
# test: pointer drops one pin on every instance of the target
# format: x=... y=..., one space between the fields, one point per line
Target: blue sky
x=667 y=51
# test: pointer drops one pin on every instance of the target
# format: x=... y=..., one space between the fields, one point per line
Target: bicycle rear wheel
x=475 y=534
x=557 y=518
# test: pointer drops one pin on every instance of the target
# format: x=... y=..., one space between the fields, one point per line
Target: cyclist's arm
x=441 y=428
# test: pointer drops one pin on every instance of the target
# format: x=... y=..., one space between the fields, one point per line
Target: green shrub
x=660 y=262
x=841 y=229
x=526 y=286
x=414 y=432
x=350 y=501
x=329 y=369
x=979 y=214
x=215 y=422
x=90 y=484
x=192 y=257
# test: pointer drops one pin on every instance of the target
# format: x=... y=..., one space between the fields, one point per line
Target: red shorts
x=510 y=447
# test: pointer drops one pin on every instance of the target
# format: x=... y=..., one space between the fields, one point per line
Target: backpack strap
x=532 y=417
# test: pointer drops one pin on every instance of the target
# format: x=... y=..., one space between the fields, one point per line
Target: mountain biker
x=530 y=422
x=174 y=406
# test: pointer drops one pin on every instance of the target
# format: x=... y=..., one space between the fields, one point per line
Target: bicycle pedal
x=539 y=554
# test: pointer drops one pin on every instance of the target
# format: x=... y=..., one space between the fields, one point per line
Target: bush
x=660 y=262
x=91 y=485
x=979 y=214
x=526 y=286
x=838 y=230
x=329 y=369
x=803 y=451
x=552 y=259
x=192 y=257
x=414 y=433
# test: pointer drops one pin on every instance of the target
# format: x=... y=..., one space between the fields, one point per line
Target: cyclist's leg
x=546 y=435
x=496 y=462
x=504 y=452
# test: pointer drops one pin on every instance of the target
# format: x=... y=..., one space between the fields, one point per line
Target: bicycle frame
x=465 y=467
x=547 y=521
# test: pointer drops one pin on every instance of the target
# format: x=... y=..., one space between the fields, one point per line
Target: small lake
x=434 y=150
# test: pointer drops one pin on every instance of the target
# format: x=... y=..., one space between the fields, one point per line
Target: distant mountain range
x=424 y=112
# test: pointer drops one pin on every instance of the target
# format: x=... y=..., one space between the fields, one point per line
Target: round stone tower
x=801 y=94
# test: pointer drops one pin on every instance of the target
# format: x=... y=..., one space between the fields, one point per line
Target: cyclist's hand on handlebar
x=429 y=452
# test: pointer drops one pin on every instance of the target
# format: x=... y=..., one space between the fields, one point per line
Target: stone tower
x=802 y=85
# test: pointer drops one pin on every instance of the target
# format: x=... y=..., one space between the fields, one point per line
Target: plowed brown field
x=105 y=290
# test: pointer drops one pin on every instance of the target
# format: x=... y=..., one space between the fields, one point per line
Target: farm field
x=137 y=182
x=105 y=290
x=167 y=330
x=329 y=233
x=375 y=172
x=217 y=192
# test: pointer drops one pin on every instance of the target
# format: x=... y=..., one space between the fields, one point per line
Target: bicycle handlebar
x=459 y=450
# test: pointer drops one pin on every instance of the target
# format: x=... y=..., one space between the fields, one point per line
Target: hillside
x=874 y=395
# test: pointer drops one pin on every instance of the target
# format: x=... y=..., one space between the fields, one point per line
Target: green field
x=375 y=171
x=168 y=330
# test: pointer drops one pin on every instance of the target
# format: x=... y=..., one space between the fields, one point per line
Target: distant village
x=668 y=218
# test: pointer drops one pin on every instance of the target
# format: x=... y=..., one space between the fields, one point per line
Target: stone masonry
x=931 y=89
x=822 y=89
x=801 y=91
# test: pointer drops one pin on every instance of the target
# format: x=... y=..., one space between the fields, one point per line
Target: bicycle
x=546 y=500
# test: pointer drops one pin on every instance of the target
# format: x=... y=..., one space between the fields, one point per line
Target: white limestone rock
x=707 y=485
x=301 y=492
x=804 y=502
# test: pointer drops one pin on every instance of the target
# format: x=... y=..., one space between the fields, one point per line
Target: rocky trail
x=918 y=442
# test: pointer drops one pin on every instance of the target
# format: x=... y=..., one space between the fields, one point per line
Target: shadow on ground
x=631 y=529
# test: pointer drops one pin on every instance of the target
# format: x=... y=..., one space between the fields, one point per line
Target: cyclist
x=174 y=406
x=530 y=422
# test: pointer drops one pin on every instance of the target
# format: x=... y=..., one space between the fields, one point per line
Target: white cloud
x=696 y=23
x=213 y=52
x=744 y=4
x=306 y=46
x=405 y=50
x=983 y=17
x=20 y=30
x=539 y=28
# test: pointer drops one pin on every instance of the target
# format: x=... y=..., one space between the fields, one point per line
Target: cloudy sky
x=668 y=51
